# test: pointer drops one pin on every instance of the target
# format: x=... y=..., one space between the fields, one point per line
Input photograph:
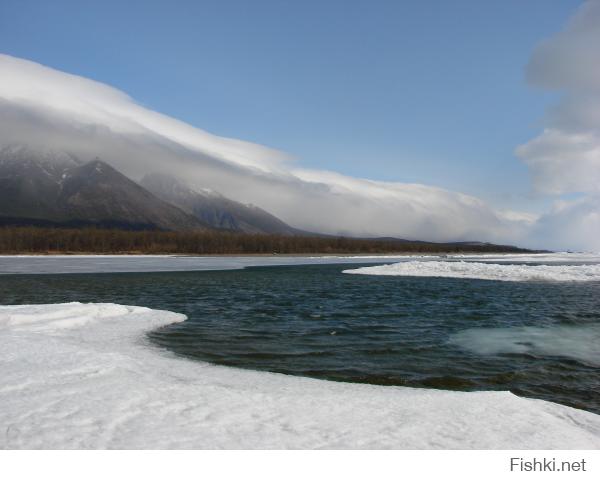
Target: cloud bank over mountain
x=44 y=108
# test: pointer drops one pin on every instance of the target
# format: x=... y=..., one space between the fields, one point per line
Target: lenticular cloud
x=48 y=109
x=43 y=108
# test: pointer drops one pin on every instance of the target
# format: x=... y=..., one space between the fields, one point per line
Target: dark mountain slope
x=37 y=189
x=29 y=183
x=214 y=209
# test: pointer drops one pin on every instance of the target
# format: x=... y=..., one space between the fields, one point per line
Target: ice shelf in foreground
x=85 y=376
x=485 y=271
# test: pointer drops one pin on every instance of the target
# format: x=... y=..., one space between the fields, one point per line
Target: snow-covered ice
x=85 y=376
x=27 y=264
x=51 y=264
x=555 y=257
x=485 y=271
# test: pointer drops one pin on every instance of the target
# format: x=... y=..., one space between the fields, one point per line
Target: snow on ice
x=85 y=376
x=485 y=271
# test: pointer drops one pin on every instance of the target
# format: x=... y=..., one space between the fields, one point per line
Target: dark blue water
x=316 y=321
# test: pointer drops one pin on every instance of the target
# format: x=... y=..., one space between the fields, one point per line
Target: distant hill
x=214 y=209
x=455 y=245
x=48 y=189
x=55 y=189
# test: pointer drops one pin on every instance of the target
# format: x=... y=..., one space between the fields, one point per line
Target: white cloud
x=571 y=225
x=48 y=109
x=565 y=157
x=45 y=108
x=563 y=162
x=569 y=59
x=91 y=103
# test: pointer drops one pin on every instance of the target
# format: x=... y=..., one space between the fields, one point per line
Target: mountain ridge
x=214 y=209
x=53 y=188
x=38 y=189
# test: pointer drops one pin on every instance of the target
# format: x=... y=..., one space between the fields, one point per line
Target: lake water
x=538 y=339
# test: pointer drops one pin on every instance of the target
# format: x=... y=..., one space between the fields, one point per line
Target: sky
x=431 y=92
x=487 y=106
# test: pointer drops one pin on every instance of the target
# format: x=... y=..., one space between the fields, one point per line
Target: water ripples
x=409 y=331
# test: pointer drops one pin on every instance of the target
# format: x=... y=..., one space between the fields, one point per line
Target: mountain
x=57 y=189
x=214 y=209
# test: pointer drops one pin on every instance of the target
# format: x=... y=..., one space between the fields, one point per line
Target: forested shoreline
x=36 y=240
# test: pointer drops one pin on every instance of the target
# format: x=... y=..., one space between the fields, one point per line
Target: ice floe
x=556 y=257
x=85 y=376
x=51 y=264
x=485 y=271
x=578 y=342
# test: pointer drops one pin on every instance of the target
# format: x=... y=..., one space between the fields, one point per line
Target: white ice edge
x=485 y=271
x=85 y=376
x=56 y=264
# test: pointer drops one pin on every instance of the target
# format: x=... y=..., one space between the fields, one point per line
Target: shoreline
x=278 y=255
x=208 y=255
x=79 y=263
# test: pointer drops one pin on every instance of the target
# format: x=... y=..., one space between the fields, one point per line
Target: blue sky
x=429 y=92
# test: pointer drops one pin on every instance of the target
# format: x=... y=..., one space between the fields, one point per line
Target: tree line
x=37 y=240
